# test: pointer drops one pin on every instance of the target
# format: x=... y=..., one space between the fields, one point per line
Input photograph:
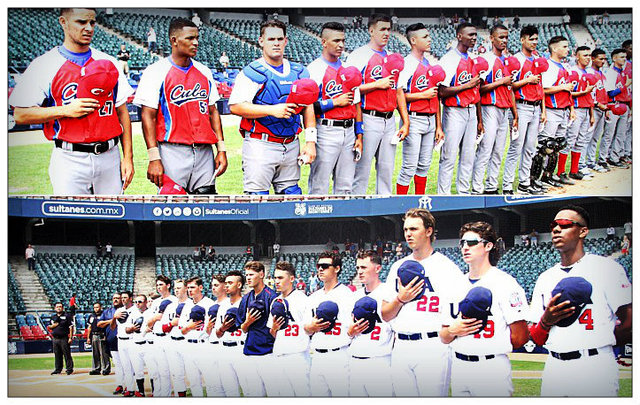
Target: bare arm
x=216 y=124
x=488 y=87
x=623 y=331
x=445 y=92
x=38 y=115
x=155 y=169
x=253 y=111
x=380 y=84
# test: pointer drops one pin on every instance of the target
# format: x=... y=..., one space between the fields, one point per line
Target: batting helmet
x=280 y=308
x=477 y=305
x=366 y=308
x=327 y=311
x=97 y=80
x=232 y=314
x=407 y=271
x=577 y=291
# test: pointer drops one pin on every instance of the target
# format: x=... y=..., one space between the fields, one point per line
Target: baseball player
x=79 y=94
x=588 y=155
x=291 y=346
x=253 y=314
x=269 y=124
x=370 y=362
x=162 y=386
x=461 y=116
x=414 y=308
x=136 y=329
x=330 y=361
x=380 y=97
x=338 y=118
x=487 y=319
x=112 y=340
x=627 y=46
x=192 y=323
x=425 y=128
x=121 y=321
x=615 y=129
x=211 y=372
x=174 y=348
x=179 y=116
x=496 y=99
x=231 y=337
x=558 y=103
x=576 y=319
x=583 y=106
x=528 y=92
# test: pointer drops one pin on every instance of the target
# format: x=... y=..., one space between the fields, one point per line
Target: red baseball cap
x=97 y=80
x=170 y=187
x=393 y=65
x=303 y=92
x=574 y=77
x=618 y=108
x=591 y=79
x=540 y=65
x=512 y=64
x=436 y=75
x=480 y=65
x=350 y=77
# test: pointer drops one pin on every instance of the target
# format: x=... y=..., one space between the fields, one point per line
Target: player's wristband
x=538 y=334
x=359 y=128
x=154 y=153
x=311 y=134
x=220 y=146
x=326 y=105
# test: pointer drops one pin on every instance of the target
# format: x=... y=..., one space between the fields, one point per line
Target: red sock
x=575 y=160
x=421 y=184
x=562 y=162
x=402 y=190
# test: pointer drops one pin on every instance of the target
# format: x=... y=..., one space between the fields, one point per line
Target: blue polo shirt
x=259 y=341
x=110 y=335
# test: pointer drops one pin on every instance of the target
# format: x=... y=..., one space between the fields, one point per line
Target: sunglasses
x=471 y=242
x=139 y=302
x=564 y=223
x=324 y=266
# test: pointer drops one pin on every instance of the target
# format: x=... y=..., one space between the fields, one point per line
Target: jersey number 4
x=586 y=320
x=433 y=302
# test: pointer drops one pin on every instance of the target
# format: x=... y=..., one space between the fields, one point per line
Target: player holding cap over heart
x=79 y=94
x=486 y=319
x=417 y=288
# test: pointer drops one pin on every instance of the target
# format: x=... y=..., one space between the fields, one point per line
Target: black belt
x=177 y=338
x=474 y=358
x=328 y=350
x=385 y=115
x=560 y=109
x=193 y=145
x=95 y=148
x=123 y=338
x=421 y=114
x=161 y=334
x=417 y=336
x=140 y=343
x=150 y=343
x=195 y=341
x=360 y=358
x=573 y=355
x=232 y=344
x=336 y=123
x=527 y=102
x=214 y=343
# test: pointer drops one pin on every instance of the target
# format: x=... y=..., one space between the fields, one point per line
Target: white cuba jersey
x=155 y=307
x=378 y=342
x=508 y=305
x=336 y=337
x=170 y=315
x=228 y=337
x=293 y=338
x=594 y=327
x=199 y=332
x=425 y=314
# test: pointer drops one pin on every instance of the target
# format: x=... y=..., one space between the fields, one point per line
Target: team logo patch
x=179 y=95
x=333 y=89
x=422 y=83
x=464 y=77
x=499 y=74
x=376 y=72
x=301 y=209
x=69 y=93
x=515 y=300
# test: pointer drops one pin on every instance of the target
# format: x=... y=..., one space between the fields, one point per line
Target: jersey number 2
x=106 y=109
x=433 y=304
x=586 y=320
x=335 y=331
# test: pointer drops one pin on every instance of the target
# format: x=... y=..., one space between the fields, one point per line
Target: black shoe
x=490 y=192
x=94 y=372
x=69 y=372
x=56 y=372
x=576 y=176
x=564 y=179
x=106 y=372
x=615 y=164
x=528 y=190
x=604 y=164
x=538 y=184
x=551 y=182
x=507 y=192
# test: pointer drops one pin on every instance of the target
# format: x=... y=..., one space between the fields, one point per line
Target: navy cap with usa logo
x=407 y=271
x=366 y=308
x=327 y=311
x=576 y=290
x=477 y=305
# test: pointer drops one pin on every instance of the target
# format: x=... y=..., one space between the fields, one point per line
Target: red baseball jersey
x=414 y=78
x=182 y=97
x=558 y=74
x=330 y=85
x=370 y=63
x=585 y=101
x=599 y=94
x=529 y=92
x=500 y=96
x=458 y=67
x=52 y=80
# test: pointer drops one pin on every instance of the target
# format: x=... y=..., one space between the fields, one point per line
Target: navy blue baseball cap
x=232 y=313
x=407 y=271
x=179 y=309
x=213 y=310
x=327 y=311
x=280 y=308
x=124 y=318
x=259 y=305
x=477 y=305
x=163 y=305
x=138 y=322
x=576 y=290
x=197 y=313
x=366 y=308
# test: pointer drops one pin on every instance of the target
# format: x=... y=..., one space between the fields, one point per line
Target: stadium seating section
x=610 y=35
x=29 y=327
x=16 y=303
x=91 y=278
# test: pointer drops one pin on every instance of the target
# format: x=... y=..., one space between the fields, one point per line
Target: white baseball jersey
x=610 y=78
x=134 y=313
x=378 y=342
x=199 y=332
x=213 y=337
x=293 y=338
x=122 y=326
x=170 y=315
x=509 y=304
x=143 y=335
x=594 y=326
x=228 y=337
x=336 y=337
x=425 y=314
x=155 y=305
